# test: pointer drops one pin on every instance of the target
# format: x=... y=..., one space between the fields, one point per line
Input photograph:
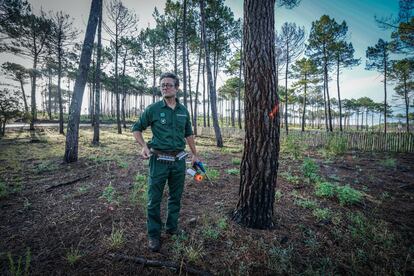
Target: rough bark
x=261 y=146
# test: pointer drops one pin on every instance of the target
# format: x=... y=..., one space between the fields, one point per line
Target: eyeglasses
x=167 y=85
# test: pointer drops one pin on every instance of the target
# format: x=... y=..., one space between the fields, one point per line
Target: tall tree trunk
x=204 y=93
x=196 y=93
x=49 y=110
x=385 y=95
x=339 y=97
x=328 y=98
x=184 y=54
x=304 y=105
x=26 y=107
x=258 y=177
x=96 y=117
x=123 y=89
x=189 y=83
x=407 y=104
x=239 y=85
x=59 y=90
x=217 y=131
x=153 y=75
x=72 y=135
x=33 y=94
x=286 y=86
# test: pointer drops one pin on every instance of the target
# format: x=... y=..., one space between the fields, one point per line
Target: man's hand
x=194 y=159
x=145 y=153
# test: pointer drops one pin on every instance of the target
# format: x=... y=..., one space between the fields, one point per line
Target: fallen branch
x=66 y=183
x=157 y=263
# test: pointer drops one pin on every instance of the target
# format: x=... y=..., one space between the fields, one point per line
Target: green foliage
x=279 y=259
x=293 y=146
x=194 y=253
x=310 y=170
x=139 y=192
x=4 y=190
x=390 y=163
x=116 y=239
x=348 y=195
x=210 y=233
x=233 y=171
x=345 y=194
x=294 y=179
x=15 y=269
x=46 y=166
x=236 y=161
x=336 y=145
x=222 y=224
x=213 y=174
x=123 y=164
x=109 y=194
x=325 y=189
x=73 y=255
x=322 y=214
x=306 y=203
x=278 y=195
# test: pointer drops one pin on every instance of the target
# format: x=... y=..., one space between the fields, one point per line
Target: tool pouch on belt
x=169 y=157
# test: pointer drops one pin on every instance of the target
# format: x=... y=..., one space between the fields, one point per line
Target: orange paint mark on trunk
x=274 y=111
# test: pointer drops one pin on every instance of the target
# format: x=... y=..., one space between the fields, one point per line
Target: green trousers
x=160 y=173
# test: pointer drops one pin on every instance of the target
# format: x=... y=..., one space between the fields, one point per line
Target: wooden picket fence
x=363 y=141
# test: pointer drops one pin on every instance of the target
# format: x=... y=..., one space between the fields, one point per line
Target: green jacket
x=169 y=126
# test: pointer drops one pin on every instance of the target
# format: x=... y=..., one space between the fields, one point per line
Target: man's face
x=168 y=88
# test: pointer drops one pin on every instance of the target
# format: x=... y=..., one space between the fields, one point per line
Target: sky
x=359 y=15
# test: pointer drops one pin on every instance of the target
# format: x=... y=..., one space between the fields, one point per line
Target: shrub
x=73 y=255
x=109 y=194
x=233 y=171
x=306 y=203
x=293 y=146
x=236 y=161
x=310 y=170
x=325 y=189
x=348 y=195
x=16 y=269
x=322 y=214
x=336 y=145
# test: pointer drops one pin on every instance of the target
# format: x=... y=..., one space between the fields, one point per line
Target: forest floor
x=334 y=213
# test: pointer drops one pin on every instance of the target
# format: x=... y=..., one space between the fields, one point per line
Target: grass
x=4 y=190
x=306 y=203
x=310 y=170
x=325 y=189
x=322 y=214
x=213 y=174
x=293 y=146
x=16 y=269
x=73 y=256
x=345 y=194
x=233 y=171
x=116 y=239
x=278 y=196
x=294 y=179
x=109 y=194
x=235 y=161
x=139 y=193
x=389 y=163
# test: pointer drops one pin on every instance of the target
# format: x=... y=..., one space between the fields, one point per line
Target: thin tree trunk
x=217 y=131
x=339 y=97
x=96 y=117
x=184 y=53
x=72 y=136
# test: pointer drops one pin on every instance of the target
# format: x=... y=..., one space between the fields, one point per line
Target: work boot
x=154 y=244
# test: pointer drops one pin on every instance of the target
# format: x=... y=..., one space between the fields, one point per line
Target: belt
x=169 y=156
x=169 y=153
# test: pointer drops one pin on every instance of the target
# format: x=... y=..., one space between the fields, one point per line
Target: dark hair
x=172 y=76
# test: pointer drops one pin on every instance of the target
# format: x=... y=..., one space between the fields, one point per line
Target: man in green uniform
x=171 y=127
